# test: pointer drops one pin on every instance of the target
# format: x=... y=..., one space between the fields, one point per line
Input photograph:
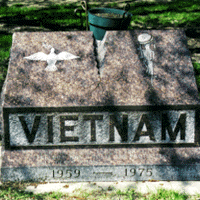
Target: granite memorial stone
x=77 y=109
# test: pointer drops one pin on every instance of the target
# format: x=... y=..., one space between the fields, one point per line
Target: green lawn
x=16 y=191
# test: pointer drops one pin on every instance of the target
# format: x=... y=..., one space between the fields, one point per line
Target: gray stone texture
x=104 y=173
x=82 y=128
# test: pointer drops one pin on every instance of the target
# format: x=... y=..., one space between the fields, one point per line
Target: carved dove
x=51 y=58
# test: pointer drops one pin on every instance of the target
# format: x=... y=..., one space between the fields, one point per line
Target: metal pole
x=84 y=5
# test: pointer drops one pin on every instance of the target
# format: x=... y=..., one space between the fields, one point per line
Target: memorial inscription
x=126 y=109
x=101 y=128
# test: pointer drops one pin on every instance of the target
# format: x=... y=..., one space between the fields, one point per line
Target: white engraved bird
x=51 y=58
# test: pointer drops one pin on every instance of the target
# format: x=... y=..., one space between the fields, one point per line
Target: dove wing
x=65 y=56
x=37 y=56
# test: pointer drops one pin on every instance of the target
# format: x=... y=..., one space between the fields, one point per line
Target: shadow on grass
x=53 y=18
x=62 y=18
x=16 y=190
x=11 y=189
x=4 y=3
x=5 y=44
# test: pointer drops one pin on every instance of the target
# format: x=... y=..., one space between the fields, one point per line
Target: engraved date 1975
x=140 y=171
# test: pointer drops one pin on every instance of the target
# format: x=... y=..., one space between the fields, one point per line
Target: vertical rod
x=84 y=5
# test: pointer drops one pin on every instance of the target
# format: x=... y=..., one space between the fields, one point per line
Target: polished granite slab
x=100 y=116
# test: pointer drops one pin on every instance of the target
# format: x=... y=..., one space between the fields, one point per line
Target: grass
x=17 y=191
x=174 y=14
x=5 y=44
x=197 y=74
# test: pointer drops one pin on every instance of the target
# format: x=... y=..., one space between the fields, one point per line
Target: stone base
x=75 y=124
x=103 y=173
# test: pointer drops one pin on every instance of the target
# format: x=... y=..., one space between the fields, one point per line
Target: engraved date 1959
x=66 y=173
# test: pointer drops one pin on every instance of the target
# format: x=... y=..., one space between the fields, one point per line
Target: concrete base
x=187 y=187
x=184 y=187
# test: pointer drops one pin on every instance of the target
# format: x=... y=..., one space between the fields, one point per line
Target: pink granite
x=101 y=156
x=77 y=82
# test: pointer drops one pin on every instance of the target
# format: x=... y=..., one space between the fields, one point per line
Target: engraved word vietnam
x=102 y=128
x=51 y=58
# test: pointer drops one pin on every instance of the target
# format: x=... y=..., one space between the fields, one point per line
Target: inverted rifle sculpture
x=147 y=54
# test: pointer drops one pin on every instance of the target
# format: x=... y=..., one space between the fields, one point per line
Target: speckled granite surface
x=101 y=156
x=77 y=83
x=123 y=82
x=30 y=85
x=172 y=66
